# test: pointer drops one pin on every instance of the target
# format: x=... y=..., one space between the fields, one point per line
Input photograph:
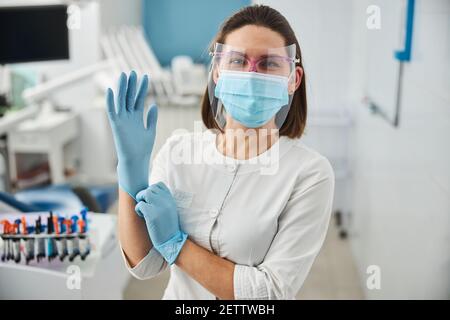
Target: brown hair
x=270 y=18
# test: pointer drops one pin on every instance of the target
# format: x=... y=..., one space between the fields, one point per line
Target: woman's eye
x=269 y=64
x=236 y=61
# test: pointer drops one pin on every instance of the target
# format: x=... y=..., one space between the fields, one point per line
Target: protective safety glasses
x=277 y=61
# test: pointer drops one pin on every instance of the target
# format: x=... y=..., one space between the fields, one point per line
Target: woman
x=247 y=220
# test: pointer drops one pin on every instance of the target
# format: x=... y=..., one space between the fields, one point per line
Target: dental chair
x=61 y=197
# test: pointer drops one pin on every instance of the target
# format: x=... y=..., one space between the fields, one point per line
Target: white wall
x=115 y=13
x=401 y=198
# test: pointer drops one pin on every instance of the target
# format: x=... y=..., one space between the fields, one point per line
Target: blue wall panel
x=186 y=27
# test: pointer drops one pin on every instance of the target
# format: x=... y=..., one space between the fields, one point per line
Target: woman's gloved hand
x=157 y=206
x=133 y=141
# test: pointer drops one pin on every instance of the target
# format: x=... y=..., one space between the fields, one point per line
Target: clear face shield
x=253 y=86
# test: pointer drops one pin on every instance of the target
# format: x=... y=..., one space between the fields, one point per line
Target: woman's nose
x=252 y=67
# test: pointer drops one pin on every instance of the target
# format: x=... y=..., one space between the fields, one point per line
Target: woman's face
x=256 y=41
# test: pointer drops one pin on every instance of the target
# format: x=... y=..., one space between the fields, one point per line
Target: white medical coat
x=269 y=215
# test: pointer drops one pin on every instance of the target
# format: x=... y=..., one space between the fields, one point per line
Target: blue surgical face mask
x=252 y=98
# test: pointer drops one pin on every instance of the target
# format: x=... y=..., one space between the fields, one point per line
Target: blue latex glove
x=133 y=141
x=159 y=210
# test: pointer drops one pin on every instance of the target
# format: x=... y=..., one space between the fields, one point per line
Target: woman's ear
x=298 y=80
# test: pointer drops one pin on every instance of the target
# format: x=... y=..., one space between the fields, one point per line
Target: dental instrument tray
x=26 y=238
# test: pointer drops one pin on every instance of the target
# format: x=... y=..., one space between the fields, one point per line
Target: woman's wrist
x=133 y=175
x=180 y=260
x=211 y=271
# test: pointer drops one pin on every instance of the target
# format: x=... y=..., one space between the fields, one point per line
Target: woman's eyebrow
x=244 y=54
x=235 y=52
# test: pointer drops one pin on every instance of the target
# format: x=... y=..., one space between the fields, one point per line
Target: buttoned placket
x=215 y=212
